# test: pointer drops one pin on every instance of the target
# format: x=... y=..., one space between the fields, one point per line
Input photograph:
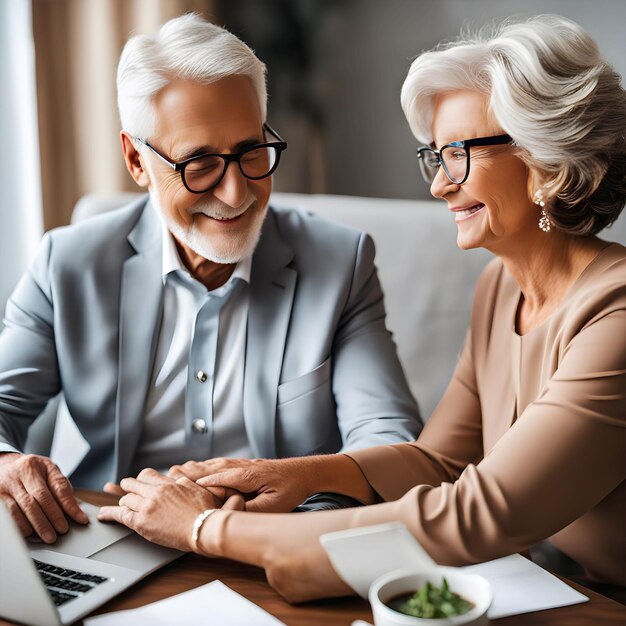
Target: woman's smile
x=462 y=214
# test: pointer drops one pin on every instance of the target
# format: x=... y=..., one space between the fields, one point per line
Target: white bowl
x=471 y=587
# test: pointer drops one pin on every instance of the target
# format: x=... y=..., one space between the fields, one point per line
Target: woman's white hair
x=549 y=88
x=188 y=48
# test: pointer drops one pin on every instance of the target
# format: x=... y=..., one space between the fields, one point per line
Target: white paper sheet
x=213 y=604
x=521 y=586
x=361 y=555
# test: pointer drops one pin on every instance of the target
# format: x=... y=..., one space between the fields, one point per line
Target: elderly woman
x=525 y=143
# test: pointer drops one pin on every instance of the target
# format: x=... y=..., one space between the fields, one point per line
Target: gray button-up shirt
x=194 y=408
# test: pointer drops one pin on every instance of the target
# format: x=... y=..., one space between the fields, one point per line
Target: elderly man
x=197 y=322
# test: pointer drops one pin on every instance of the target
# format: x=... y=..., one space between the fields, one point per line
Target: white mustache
x=220 y=210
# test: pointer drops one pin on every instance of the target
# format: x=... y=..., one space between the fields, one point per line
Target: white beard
x=225 y=250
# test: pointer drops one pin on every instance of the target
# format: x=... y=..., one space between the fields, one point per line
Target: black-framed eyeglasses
x=454 y=157
x=205 y=171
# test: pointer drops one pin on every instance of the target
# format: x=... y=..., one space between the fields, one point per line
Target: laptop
x=53 y=585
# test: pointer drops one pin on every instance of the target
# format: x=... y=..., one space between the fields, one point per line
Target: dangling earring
x=544 y=221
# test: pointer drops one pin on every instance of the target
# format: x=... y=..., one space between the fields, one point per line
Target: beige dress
x=529 y=440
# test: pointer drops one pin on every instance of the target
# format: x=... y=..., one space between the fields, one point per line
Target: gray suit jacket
x=321 y=371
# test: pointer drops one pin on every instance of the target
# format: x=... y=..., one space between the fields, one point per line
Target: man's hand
x=162 y=509
x=276 y=485
x=37 y=495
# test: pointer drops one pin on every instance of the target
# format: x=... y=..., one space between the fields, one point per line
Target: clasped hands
x=162 y=508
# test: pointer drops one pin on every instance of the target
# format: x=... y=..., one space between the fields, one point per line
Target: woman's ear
x=133 y=160
x=534 y=183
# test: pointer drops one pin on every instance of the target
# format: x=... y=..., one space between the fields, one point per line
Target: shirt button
x=199 y=426
x=201 y=376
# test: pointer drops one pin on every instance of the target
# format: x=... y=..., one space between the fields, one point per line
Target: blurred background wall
x=335 y=71
x=337 y=66
x=77 y=46
x=20 y=190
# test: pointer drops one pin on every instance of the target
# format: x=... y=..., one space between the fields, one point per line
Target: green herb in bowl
x=431 y=602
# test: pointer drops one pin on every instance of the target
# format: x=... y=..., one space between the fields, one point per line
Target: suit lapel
x=272 y=287
x=140 y=311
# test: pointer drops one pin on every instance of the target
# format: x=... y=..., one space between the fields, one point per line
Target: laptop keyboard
x=66 y=584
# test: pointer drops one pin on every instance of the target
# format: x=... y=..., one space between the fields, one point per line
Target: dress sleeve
x=563 y=455
x=451 y=440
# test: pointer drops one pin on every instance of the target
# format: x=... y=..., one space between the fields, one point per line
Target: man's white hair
x=188 y=48
x=549 y=88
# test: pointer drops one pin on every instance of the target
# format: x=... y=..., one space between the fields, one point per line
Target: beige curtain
x=77 y=46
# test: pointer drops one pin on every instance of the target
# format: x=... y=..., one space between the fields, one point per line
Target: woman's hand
x=277 y=485
x=114 y=489
x=163 y=510
x=198 y=469
x=305 y=574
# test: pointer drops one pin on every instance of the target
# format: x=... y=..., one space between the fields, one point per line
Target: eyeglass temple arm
x=145 y=143
x=268 y=128
x=488 y=141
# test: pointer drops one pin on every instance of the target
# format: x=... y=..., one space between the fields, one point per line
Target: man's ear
x=133 y=161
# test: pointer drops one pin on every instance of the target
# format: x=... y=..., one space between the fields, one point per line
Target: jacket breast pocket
x=306 y=419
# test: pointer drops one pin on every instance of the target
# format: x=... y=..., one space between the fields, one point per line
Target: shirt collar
x=173 y=263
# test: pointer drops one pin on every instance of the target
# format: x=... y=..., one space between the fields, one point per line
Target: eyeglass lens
x=203 y=173
x=453 y=159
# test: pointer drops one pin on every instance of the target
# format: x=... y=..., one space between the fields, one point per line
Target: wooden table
x=191 y=571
